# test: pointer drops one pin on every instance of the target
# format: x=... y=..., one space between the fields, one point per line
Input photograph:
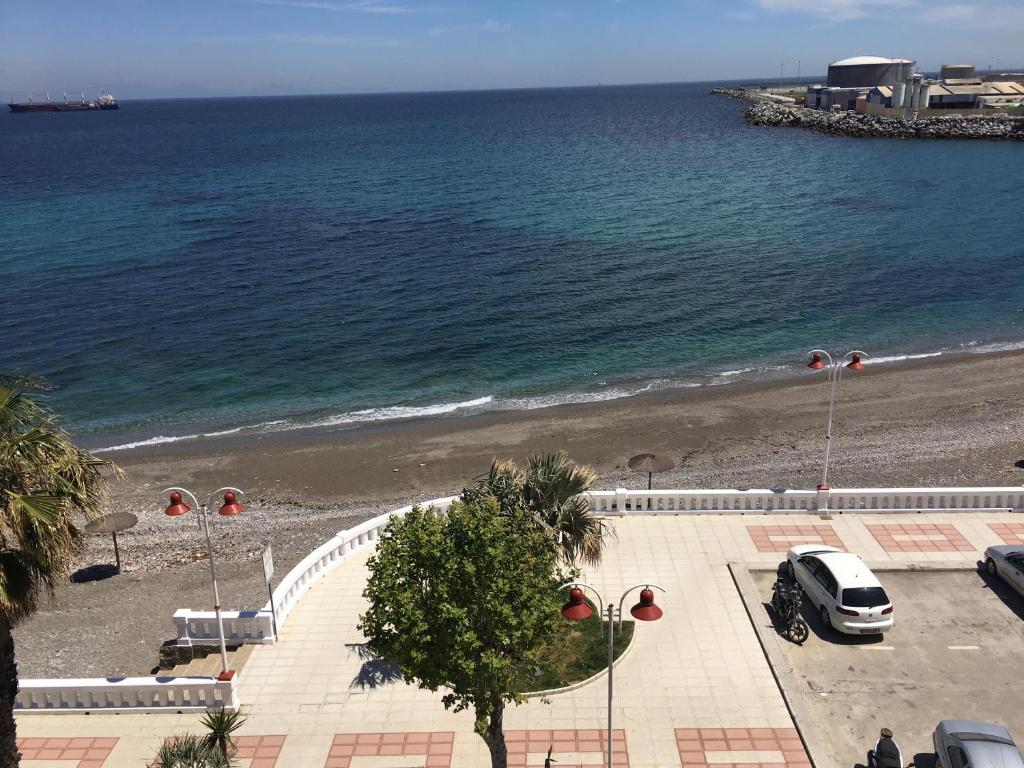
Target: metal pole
x=273 y=609
x=216 y=592
x=611 y=666
x=835 y=373
x=117 y=554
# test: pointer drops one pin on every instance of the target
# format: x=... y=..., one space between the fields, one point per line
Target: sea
x=180 y=269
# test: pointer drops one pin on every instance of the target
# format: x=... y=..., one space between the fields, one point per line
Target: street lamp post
x=835 y=373
x=577 y=609
x=230 y=508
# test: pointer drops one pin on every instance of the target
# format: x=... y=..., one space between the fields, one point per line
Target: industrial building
x=881 y=86
x=958 y=89
x=869 y=71
x=852 y=78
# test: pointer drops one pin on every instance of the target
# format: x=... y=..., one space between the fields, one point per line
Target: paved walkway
x=694 y=690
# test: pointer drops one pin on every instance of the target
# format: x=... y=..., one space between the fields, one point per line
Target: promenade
x=693 y=690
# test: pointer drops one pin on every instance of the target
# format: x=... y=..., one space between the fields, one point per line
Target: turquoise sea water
x=186 y=267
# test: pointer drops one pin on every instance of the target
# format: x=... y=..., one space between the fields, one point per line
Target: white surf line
x=963 y=647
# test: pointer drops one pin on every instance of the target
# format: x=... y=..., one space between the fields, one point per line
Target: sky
x=164 y=48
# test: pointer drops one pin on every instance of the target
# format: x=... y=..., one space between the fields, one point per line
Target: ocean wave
x=899 y=358
x=164 y=439
x=977 y=347
x=392 y=413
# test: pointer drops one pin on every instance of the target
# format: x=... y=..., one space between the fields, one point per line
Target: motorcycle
x=787 y=597
x=886 y=753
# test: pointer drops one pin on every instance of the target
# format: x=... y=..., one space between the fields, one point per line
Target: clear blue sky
x=203 y=47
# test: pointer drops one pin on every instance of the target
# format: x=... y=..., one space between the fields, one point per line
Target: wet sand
x=942 y=421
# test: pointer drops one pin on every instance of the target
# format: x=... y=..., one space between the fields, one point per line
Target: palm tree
x=44 y=480
x=553 y=488
x=220 y=724
x=189 y=751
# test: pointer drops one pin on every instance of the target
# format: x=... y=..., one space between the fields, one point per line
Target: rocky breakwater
x=765 y=112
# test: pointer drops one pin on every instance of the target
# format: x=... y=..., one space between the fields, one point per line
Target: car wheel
x=791 y=570
x=990 y=566
x=826 y=619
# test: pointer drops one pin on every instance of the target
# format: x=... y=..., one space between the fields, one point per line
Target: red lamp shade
x=576 y=609
x=177 y=507
x=646 y=610
x=816 y=362
x=855 y=364
x=231 y=506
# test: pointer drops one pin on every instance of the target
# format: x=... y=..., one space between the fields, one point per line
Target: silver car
x=970 y=744
x=1007 y=561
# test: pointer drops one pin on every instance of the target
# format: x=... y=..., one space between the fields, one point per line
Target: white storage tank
x=925 y=95
x=899 y=91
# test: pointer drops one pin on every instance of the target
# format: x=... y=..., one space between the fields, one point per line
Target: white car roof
x=848 y=568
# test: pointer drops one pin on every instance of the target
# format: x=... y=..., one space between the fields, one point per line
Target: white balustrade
x=163 y=694
x=126 y=694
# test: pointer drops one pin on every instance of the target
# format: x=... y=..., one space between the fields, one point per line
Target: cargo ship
x=105 y=101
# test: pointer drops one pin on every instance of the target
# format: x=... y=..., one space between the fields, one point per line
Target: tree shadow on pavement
x=374 y=672
x=94 y=573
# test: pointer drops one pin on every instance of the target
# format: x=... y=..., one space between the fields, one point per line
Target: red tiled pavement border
x=1010 y=533
x=930 y=537
x=263 y=751
x=531 y=747
x=776 y=538
x=89 y=752
x=435 y=746
x=695 y=743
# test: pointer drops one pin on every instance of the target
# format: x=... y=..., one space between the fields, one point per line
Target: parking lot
x=956 y=651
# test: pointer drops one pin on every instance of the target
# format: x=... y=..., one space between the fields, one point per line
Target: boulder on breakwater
x=764 y=112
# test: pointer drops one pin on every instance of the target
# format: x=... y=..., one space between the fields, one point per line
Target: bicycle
x=786 y=600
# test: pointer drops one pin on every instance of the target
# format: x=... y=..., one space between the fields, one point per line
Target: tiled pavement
x=779 y=538
x=741 y=748
x=429 y=749
x=1010 y=533
x=569 y=747
x=70 y=752
x=258 y=751
x=700 y=667
x=916 y=538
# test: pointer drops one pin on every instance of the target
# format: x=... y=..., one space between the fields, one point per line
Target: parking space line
x=963 y=647
x=876 y=647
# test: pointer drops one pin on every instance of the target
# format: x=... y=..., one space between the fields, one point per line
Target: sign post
x=268 y=572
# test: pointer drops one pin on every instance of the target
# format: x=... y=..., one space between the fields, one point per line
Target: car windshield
x=865 y=597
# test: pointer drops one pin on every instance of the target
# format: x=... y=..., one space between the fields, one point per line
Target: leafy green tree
x=552 y=487
x=45 y=479
x=464 y=601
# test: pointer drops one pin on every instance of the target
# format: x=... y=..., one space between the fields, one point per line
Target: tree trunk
x=9 y=757
x=494 y=737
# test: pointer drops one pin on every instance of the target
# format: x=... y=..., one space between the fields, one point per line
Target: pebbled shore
x=764 y=112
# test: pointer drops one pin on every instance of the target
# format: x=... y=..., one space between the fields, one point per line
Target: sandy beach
x=944 y=421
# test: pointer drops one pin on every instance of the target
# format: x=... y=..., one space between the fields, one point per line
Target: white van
x=842 y=588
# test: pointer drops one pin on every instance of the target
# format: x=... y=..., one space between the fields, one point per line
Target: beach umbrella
x=651 y=463
x=113 y=524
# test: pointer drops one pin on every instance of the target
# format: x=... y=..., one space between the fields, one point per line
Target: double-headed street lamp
x=577 y=609
x=230 y=508
x=835 y=373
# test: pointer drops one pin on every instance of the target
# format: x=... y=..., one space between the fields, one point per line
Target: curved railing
x=158 y=694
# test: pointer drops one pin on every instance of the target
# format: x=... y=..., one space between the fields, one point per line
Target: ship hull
x=50 y=107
